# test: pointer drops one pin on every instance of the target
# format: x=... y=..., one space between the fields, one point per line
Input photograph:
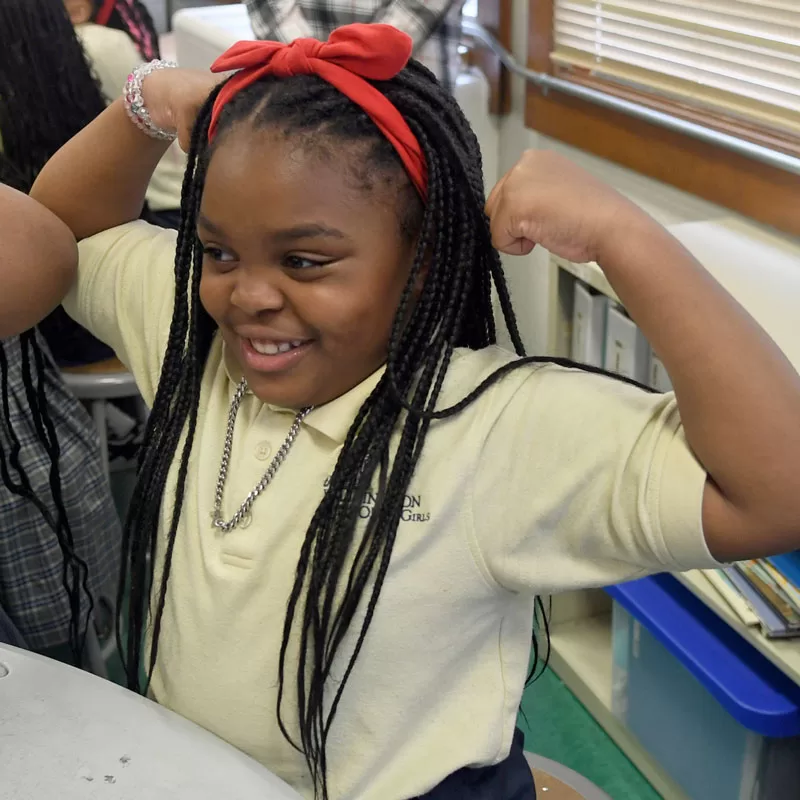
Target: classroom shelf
x=584 y=646
x=590 y=274
x=581 y=657
x=784 y=654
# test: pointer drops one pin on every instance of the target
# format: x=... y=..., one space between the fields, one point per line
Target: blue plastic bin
x=721 y=719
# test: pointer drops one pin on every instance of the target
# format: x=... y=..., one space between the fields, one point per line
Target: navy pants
x=509 y=780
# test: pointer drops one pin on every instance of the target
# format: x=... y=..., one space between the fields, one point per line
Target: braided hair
x=47 y=90
x=47 y=95
x=454 y=309
x=132 y=17
x=75 y=572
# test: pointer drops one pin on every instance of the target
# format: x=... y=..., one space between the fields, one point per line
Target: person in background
x=114 y=51
x=59 y=532
x=47 y=94
x=37 y=265
x=129 y=16
x=433 y=25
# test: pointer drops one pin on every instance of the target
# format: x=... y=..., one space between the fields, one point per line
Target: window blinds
x=739 y=58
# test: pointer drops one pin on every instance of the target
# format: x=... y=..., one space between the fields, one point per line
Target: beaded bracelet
x=134 y=102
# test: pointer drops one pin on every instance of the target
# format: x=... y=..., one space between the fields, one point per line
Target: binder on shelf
x=772 y=625
x=790 y=590
x=771 y=592
x=588 y=325
x=720 y=581
x=789 y=565
x=658 y=378
x=626 y=350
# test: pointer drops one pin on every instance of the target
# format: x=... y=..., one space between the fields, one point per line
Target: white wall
x=528 y=277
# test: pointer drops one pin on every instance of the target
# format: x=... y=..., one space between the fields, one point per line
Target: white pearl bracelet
x=134 y=102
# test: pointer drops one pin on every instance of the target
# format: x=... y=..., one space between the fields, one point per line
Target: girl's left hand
x=547 y=200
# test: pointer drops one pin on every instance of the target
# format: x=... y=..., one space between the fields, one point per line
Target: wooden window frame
x=495 y=16
x=764 y=193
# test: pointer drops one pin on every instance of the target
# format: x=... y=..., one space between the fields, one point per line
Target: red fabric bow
x=352 y=55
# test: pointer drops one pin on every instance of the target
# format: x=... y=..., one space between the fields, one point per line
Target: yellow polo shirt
x=553 y=480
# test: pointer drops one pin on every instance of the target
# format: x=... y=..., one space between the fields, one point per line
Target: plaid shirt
x=31 y=563
x=434 y=25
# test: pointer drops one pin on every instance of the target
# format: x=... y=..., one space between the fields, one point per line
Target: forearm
x=99 y=178
x=38 y=260
x=738 y=395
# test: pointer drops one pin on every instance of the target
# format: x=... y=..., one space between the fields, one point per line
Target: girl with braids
x=60 y=535
x=37 y=263
x=47 y=94
x=350 y=495
x=129 y=16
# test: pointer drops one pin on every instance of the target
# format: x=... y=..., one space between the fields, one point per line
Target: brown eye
x=218 y=254
x=301 y=262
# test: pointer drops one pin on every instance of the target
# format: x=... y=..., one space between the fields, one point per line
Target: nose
x=256 y=291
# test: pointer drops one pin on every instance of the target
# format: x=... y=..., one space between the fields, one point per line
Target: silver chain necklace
x=242 y=516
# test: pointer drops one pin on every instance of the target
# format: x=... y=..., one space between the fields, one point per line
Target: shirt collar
x=334 y=418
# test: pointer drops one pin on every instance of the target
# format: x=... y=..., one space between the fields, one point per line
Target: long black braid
x=47 y=91
x=47 y=95
x=75 y=573
x=453 y=310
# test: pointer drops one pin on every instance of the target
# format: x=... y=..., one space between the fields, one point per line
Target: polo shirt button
x=263 y=451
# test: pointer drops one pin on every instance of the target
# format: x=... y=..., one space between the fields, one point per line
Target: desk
x=68 y=735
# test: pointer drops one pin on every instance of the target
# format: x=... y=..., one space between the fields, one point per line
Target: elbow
x=64 y=263
x=49 y=266
x=737 y=532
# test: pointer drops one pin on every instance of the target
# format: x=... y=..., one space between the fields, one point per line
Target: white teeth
x=273 y=348
x=265 y=348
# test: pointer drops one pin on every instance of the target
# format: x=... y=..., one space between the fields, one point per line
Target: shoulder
x=108 y=46
x=100 y=38
x=468 y=369
x=135 y=241
x=507 y=397
x=504 y=374
x=125 y=293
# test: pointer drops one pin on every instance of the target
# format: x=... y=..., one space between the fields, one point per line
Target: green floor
x=560 y=728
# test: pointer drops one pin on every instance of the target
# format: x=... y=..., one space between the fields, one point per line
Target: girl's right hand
x=174 y=97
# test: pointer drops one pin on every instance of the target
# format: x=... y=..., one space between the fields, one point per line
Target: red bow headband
x=352 y=55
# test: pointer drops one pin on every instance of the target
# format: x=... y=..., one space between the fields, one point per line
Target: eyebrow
x=306 y=231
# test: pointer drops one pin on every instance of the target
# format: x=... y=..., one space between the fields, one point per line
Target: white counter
x=68 y=735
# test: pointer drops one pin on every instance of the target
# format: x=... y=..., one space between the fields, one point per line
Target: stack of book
x=764 y=593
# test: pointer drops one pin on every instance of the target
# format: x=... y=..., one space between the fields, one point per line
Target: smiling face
x=303 y=270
